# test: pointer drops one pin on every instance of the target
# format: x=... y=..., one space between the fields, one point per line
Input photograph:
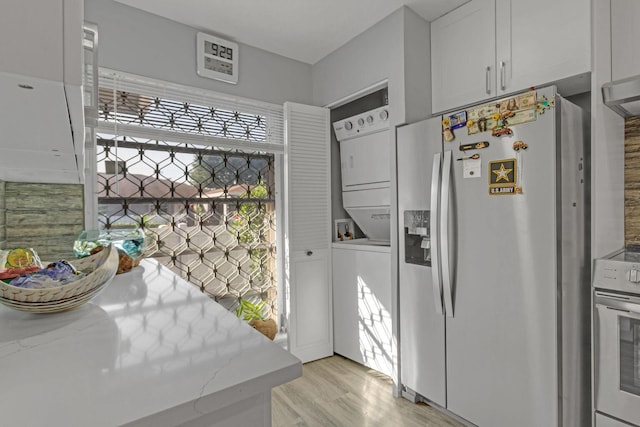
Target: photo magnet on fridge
x=502 y=177
x=458 y=120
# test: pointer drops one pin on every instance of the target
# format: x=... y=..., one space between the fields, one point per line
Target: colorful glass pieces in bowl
x=55 y=274
x=98 y=270
x=18 y=261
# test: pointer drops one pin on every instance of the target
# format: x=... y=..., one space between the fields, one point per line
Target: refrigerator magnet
x=544 y=104
x=521 y=117
x=520 y=145
x=484 y=110
x=510 y=104
x=446 y=129
x=477 y=127
x=502 y=177
x=482 y=124
x=527 y=100
x=458 y=120
x=448 y=135
x=501 y=131
x=472 y=127
x=474 y=157
x=472 y=167
x=474 y=146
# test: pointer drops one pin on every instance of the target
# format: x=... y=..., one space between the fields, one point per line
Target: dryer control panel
x=362 y=124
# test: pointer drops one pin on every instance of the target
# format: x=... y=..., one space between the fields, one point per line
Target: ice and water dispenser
x=417 y=240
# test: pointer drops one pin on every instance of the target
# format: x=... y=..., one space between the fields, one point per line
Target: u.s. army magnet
x=502 y=177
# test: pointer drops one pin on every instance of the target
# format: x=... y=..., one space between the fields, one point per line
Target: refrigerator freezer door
x=502 y=343
x=422 y=339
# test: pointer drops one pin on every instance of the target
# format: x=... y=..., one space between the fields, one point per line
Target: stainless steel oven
x=617 y=337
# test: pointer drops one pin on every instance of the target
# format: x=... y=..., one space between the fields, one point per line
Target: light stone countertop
x=149 y=350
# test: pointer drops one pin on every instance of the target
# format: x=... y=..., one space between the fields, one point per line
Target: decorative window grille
x=199 y=177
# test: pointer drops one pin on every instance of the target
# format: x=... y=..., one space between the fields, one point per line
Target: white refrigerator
x=493 y=285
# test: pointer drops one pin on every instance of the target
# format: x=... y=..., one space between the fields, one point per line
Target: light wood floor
x=338 y=392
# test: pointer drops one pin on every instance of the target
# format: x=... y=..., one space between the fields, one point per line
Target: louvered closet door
x=308 y=217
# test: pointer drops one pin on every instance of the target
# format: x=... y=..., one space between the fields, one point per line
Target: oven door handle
x=618 y=302
x=614 y=309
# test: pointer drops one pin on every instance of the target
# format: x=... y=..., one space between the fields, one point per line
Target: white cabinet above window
x=488 y=48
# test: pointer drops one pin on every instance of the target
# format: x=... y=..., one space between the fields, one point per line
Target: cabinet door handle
x=488 y=80
x=502 y=76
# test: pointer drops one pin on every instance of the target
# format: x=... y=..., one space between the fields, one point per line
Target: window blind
x=272 y=113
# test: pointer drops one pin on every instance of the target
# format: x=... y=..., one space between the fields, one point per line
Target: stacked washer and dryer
x=362 y=267
x=365 y=167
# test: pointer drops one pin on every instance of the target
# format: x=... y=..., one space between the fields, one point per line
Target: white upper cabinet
x=625 y=33
x=41 y=84
x=463 y=55
x=35 y=31
x=45 y=39
x=541 y=41
x=533 y=43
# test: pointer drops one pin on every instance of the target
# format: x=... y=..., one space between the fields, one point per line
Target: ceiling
x=305 y=30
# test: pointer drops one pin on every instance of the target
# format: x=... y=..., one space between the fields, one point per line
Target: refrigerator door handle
x=433 y=225
x=444 y=234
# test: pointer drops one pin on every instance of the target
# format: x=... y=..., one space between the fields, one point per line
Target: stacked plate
x=99 y=269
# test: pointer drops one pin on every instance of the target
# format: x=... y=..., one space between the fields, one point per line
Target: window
x=198 y=173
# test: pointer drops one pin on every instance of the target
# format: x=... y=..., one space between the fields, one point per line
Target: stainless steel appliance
x=623 y=96
x=365 y=169
x=496 y=329
x=417 y=242
x=616 y=282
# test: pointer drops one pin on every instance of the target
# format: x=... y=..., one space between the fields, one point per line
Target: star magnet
x=502 y=177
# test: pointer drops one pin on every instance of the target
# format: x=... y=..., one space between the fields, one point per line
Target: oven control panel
x=619 y=271
x=633 y=275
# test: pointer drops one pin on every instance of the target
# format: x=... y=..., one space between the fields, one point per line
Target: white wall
x=396 y=49
x=137 y=42
x=372 y=56
x=417 y=67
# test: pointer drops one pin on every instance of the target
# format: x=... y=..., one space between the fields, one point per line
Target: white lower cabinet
x=362 y=305
x=310 y=296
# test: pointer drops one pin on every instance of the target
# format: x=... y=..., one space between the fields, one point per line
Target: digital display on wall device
x=214 y=64
x=218 y=50
x=217 y=58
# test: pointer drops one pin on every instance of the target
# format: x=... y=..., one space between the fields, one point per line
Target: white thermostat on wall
x=217 y=58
